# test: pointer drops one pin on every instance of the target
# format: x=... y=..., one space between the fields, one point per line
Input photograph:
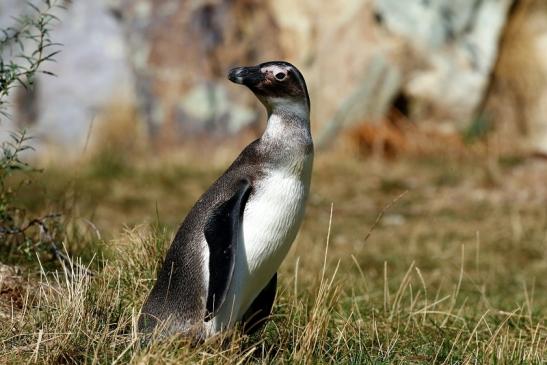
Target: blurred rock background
x=154 y=70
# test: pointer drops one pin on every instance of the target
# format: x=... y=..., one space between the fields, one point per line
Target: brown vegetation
x=451 y=272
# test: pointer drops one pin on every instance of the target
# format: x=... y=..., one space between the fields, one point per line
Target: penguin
x=221 y=267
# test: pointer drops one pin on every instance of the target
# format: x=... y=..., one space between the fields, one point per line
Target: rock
x=91 y=72
x=518 y=101
x=538 y=128
x=438 y=54
x=170 y=57
x=167 y=56
x=538 y=119
x=348 y=67
x=207 y=107
x=181 y=52
x=457 y=45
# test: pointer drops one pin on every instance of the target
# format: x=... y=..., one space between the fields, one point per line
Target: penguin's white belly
x=270 y=224
x=271 y=221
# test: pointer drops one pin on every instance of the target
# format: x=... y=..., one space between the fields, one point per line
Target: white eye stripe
x=274 y=69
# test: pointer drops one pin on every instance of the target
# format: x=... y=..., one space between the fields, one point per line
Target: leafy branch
x=26 y=46
x=14 y=232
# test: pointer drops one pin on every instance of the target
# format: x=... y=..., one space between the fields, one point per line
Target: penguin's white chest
x=271 y=220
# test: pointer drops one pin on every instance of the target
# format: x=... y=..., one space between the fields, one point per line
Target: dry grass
x=453 y=272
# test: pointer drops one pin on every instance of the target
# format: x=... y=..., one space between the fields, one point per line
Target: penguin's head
x=275 y=84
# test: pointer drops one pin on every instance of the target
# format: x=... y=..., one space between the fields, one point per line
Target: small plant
x=18 y=233
x=10 y=164
x=24 y=48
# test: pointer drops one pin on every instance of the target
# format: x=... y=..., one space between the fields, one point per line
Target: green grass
x=454 y=271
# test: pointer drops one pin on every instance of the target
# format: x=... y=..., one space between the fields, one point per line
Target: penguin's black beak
x=249 y=76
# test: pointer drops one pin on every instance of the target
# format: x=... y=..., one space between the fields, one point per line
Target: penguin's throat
x=287 y=126
x=287 y=107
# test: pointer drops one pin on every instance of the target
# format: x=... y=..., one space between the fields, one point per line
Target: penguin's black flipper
x=222 y=232
x=255 y=317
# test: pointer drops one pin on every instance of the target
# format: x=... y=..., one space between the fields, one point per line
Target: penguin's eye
x=280 y=76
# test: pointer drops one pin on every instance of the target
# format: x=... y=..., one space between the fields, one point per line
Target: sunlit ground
x=417 y=259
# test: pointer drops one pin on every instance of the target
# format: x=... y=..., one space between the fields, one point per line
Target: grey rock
x=91 y=71
x=458 y=43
